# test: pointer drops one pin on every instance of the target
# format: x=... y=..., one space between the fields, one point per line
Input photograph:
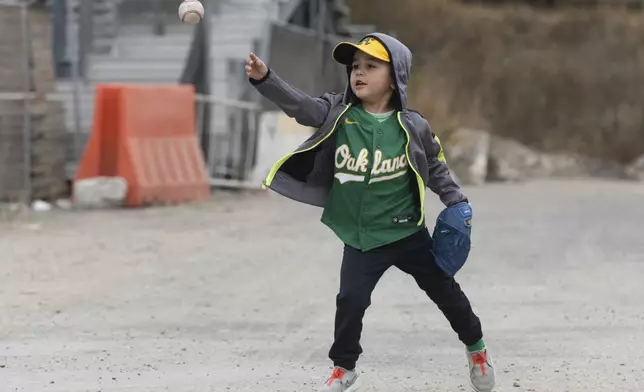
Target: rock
x=635 y=171
x=476 y=157
x=40 y=206
x=510 y=160
x=570 y=165
x=100 y=192
x=466 y=151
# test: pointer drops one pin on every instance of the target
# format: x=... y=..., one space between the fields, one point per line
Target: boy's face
x=370 y=78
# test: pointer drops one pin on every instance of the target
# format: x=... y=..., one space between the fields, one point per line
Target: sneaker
x=342 y=380
x=482 y=376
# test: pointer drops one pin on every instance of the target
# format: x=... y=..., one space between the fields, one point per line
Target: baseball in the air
x=191 y=11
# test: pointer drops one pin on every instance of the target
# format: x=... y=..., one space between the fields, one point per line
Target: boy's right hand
x=255 y=67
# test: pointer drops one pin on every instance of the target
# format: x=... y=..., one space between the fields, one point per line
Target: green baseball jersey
x=371 y=202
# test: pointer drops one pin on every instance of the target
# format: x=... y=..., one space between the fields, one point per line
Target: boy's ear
x=393 y=86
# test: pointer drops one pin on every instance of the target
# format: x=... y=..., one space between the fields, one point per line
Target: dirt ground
x=237 y=294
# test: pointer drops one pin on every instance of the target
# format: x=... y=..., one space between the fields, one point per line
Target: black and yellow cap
x=344 y=51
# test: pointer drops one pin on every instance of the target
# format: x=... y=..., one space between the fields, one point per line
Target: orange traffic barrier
x=146 y=134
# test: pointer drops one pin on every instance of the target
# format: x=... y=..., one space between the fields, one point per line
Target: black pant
x=362 y=270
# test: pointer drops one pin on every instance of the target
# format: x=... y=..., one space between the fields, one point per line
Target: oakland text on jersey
x=386 y=169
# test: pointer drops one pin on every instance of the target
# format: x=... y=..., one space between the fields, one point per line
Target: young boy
x=368 y=165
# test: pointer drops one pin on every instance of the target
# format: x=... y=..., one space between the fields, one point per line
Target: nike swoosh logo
x=346 y=120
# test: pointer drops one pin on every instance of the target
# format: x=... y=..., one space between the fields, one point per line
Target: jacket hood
x=400 y=56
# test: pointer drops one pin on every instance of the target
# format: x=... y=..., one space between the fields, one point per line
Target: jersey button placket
x=377 y=139
x=365 y=194
x=376 y=146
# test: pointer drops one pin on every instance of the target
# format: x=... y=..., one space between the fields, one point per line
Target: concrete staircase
x=139 y=56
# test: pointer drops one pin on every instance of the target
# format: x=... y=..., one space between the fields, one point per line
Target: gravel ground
x=237 y=294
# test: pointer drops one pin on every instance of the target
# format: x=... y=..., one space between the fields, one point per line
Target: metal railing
x=230 y=151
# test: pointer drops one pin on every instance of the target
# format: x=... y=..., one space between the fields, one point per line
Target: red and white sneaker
x=482 y=375
x=342 y=380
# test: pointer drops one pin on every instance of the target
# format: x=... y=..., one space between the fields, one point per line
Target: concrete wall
x=49 y=136
x=12 y=79
x=45 y=124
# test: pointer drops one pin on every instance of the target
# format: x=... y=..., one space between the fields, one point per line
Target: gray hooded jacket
x=306 y=174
